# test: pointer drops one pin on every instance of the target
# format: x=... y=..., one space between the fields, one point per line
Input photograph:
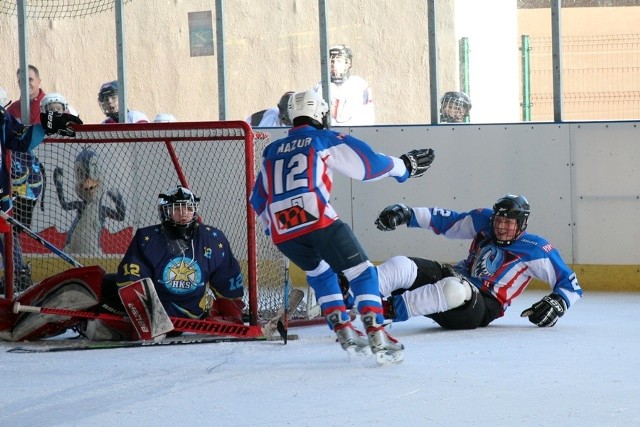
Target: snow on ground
x=582 y=372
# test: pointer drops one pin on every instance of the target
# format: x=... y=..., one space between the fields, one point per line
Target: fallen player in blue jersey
x=502 y=260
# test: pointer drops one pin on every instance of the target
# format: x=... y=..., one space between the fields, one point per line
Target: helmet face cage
x=340 y=57
x=511 y=206
x=454 y=107
x=108 y=91
x=178 y=200
x=309 y=104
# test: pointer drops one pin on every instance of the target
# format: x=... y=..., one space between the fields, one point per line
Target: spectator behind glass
x=108 y=101
x=35 y=96
x=351 y=96
x=454 y=107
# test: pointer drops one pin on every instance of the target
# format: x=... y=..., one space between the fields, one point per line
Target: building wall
x=272 y=46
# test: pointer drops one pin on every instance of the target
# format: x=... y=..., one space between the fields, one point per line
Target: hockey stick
x=43 y=347
x=283 y=324
x=11 y=220
x=207 y=327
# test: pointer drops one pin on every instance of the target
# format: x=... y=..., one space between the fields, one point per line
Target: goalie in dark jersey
x=184 y=259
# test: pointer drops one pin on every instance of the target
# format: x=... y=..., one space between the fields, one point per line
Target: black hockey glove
x=59 y=123
x=418 y=161
x=547 y=311
x=393 y=216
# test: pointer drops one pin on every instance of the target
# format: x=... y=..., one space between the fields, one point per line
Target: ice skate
x=386 y=348
x=351 y=340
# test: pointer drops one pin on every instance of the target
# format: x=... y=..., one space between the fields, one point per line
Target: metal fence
x=600 y=77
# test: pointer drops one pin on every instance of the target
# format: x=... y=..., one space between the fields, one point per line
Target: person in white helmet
x=291 y=196
x=164 y=118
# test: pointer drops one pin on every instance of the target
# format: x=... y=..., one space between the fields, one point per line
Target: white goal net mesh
x=103 y=184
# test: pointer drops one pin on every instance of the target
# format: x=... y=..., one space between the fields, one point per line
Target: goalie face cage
x=103 y=184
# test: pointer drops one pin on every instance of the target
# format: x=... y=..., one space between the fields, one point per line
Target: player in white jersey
x=108 y=101
x=502 y=260
x=351 y=96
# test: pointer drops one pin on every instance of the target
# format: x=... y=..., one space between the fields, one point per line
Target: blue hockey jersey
x=292 y=192
x=182 y=270
x=16 y=137
x=503 y=271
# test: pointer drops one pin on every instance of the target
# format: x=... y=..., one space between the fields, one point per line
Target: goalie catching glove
x=547 y=311
x=54 y=122
x=418 y=161
x=393 y=216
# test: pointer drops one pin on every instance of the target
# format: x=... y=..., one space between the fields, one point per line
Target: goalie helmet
x=108 y=99
x=511 y=206
x=454 y=107
x=340 y=57
x=283 y=109
x=49 y=102
x=308 y=108
x=178 y=201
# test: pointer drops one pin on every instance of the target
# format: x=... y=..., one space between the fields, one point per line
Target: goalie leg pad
x=107 y=330
x=73 y=289
x=142 y=304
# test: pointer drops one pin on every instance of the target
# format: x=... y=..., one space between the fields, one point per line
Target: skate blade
x=356 y=351
x=389 y=357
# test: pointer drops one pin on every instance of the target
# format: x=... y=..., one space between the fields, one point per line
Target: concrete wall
x=272 y=46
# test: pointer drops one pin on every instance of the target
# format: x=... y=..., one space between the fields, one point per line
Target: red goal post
x=103 y=184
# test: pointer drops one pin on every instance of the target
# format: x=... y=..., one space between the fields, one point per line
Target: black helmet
x=511 y=206
x=340 y=50
x=106 y=91
x=167 y=203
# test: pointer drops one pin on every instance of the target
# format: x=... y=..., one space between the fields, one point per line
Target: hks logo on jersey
x=182 y=275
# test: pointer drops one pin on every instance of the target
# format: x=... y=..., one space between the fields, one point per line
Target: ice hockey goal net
x=103 y=184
